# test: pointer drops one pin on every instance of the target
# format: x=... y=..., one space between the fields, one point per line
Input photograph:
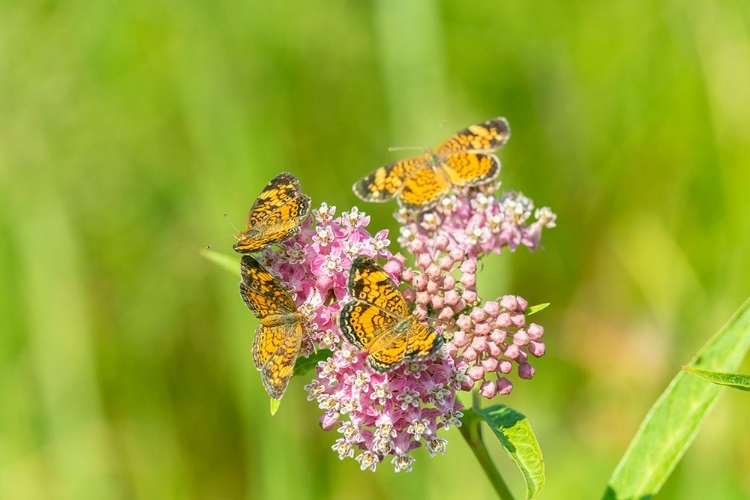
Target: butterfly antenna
x=208 y=247
x=435 y=133
x=405 y=148
x=231 y=223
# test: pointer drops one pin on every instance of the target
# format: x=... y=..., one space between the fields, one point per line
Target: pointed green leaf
x=535 y=309
x=275 y=403
x=231 y=264
x=676 y=417
x=304 y=365
x=735 y=380
x=515 y=434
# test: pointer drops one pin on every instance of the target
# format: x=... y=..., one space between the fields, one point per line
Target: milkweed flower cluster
x=447 y=244
x=381 y=415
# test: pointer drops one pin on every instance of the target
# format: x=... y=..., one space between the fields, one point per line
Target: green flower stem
x=471 y=430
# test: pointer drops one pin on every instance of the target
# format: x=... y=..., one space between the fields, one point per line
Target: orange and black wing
x=423 y=189
x=407 y=341
x=469 y=169
x=275 y=351
x=484 y=137
x=387 y=181
x=262 y=291
x=275 y=216
x=278 y=338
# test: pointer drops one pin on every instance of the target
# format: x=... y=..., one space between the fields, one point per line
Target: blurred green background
x=128 y=128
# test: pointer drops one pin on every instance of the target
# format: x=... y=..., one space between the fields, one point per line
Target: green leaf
x=304 y=365
x=535 y=309
x=678 y=414
x=231 y=264
x=515 y=434
x=275 y=403
x=734 y=380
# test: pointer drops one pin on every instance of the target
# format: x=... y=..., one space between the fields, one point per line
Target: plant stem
x=471 y=430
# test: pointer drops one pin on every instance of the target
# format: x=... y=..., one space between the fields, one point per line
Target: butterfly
x=278 y=338
x=464 y=159
x=276 y=214
x=377 y=319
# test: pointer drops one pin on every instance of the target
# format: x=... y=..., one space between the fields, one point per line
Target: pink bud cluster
x=447 y=245
x=490 y=339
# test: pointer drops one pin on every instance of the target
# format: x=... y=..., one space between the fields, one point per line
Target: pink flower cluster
x=477 y=223
x=377 y=414
x=389 y=414
x=315 y=265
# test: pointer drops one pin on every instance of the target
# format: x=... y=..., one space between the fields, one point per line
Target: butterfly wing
x=409 y=340
x=276 y=214
x=469 y=169
x=262 y=292
x=279 y=337
x=423 y=189
x=387 y=181
x=484 y=137
x=369 y=283
x=275 y=350
x=375 y=306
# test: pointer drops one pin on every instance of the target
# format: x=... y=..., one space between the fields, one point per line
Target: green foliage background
x=128 y=128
